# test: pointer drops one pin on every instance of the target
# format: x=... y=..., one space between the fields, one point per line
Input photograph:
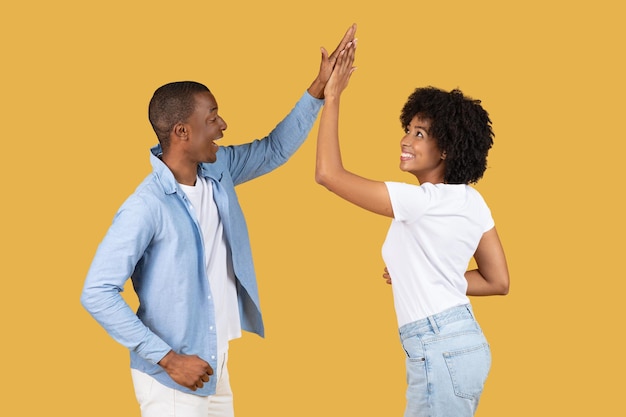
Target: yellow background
x=76 y=80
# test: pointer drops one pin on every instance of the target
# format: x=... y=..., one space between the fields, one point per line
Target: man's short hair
x=171 y=104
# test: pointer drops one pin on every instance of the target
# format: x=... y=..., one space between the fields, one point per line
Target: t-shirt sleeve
x=408 y=201
x=485 y=218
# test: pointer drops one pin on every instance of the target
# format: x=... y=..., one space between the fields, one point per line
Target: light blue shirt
x=155 y=240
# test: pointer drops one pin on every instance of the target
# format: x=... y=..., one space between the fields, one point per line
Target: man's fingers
x=349 y=36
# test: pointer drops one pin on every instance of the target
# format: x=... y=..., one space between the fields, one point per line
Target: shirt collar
x=166 y=177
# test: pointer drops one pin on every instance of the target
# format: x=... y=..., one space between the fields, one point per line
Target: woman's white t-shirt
x=431 y=240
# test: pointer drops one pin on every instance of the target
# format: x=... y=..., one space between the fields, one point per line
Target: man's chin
x=210 y=160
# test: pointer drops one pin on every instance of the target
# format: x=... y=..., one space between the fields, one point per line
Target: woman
x=437 y=227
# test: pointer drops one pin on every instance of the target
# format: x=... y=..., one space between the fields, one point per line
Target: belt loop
x=433 y=324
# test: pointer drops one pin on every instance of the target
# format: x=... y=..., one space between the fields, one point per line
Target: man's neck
x=185 y=172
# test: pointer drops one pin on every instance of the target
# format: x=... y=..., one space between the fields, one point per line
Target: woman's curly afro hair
x=461 y=127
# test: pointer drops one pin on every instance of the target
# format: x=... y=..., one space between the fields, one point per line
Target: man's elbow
x=93 y=300
x=87 y=301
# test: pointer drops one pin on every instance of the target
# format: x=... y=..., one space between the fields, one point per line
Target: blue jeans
x=447 y=362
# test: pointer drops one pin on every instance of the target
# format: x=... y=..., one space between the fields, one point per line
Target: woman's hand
x=341 y=72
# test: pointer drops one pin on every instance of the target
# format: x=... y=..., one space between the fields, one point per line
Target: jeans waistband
x=431 y=324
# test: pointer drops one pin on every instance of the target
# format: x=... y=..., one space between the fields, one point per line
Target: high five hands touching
x=328 y=63
x=342 y=71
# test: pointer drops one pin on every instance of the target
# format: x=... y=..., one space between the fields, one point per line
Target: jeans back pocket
x=468 y=369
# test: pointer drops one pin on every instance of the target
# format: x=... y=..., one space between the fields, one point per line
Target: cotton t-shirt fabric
x=218 y=264
x=432 y=238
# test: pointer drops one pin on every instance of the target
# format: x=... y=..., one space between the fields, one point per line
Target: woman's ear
x=443 y=155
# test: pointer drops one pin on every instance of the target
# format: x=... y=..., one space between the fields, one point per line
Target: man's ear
x=180 y=131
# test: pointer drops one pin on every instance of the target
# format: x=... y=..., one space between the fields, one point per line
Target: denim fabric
x=155 y=239
x=447 y=363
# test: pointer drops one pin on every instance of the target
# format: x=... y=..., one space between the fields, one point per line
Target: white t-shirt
x=219 y=267
x=432 y=238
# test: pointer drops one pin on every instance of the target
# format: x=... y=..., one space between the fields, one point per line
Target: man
x=182 y=239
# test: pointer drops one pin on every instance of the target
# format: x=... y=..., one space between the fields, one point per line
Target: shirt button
x=211 y=328
x=212 y=356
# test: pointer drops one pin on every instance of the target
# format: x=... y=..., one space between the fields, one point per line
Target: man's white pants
x=157 y=400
